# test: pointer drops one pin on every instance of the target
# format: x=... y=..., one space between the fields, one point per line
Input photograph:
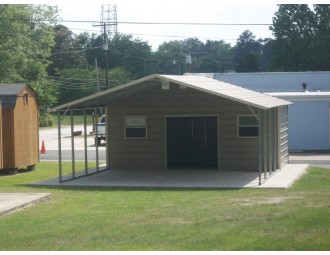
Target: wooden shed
x=163 y=122
x=19 y=116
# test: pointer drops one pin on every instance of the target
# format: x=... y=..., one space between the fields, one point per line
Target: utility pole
x=105 y=48
x=97 y=77
x=188 y=61
x=109 y=24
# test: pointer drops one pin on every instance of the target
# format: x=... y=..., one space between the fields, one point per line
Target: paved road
x=314 y=159
x=67 y=155
x=50 y=138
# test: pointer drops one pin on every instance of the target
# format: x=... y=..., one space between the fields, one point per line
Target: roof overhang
x=199 y=83
x=302 y=96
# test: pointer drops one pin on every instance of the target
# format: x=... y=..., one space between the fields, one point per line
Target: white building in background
x=309 y=116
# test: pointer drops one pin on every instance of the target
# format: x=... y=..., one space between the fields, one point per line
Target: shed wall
x=155 y=103
x=8 y=139
x=21 y=126
x=26 y=131
x=310 y=120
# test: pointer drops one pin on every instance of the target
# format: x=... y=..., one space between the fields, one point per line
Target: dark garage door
x=192 y=142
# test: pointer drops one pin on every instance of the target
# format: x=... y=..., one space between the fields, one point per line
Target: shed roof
x=9 y=92
x=302 y=96
x=199 y=83
x=277 y=81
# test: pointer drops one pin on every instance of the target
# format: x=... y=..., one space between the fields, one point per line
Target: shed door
x=192 y=142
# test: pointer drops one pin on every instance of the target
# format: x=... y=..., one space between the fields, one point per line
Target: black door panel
x=192 y=142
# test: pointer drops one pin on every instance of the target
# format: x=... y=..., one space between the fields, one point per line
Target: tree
x=322 y=37
x=194 y=49
x=217 y=57
x=266 y=55
x=130 y=54
x=76 y=83
x=248 y=63
x=119 y=76
x=170 y=58
x=68 y=51
x=293 y=47
x=247 y=50
x=25 y=45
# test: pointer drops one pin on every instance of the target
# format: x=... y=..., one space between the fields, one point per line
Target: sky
x=175 y=11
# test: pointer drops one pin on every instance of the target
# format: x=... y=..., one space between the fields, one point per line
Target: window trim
x=238 y=126
x=145 y=127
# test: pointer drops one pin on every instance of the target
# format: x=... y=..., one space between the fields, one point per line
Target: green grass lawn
x=169 y=219
x=78 y=119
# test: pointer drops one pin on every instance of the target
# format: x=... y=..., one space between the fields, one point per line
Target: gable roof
x=8 y=94
x=199 y=83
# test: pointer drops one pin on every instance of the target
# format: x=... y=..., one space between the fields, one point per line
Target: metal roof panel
x=201 y=83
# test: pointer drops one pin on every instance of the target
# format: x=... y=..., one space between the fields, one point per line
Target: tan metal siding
x=234 y=153
x=283 y=135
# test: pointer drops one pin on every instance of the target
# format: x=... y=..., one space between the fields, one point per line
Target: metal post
x=97 y=76
x=265 y=144
x=273 y=139
x=275 y=162
x=85 y=142
x=96 y=143
x=59 y=146
x=107 y=142
x=270 y=144
x=105 y=48
x=260 y=145
x=72 y=146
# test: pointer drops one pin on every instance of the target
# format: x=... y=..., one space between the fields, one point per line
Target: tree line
x=62 y=66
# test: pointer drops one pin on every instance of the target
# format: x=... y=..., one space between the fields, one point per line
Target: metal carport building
x=163 y=122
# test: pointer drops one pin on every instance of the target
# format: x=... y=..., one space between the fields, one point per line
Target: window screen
x=247 y=126
x=135 y=127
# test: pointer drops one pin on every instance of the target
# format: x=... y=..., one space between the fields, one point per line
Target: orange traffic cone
x=43 y=149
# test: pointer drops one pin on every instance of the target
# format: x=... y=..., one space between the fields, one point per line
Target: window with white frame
x=135 y=127
x=247 y=126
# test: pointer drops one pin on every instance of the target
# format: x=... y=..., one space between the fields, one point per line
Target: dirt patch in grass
x=266 y=200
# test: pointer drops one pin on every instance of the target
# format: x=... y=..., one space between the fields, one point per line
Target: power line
x=75 y=51
x=142 y=23
x=185 y=37
x=192 y=23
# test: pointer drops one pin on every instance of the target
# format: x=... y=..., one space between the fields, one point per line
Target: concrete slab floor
x=186 y=179
x=11 y=202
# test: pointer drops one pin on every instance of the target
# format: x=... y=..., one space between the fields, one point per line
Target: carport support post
x=260 y=145
x=72 y=147
x=96 y=142
x=275 y=161
x=265 y=144
x=85 y=142
x=270 y=143
x=59 y=145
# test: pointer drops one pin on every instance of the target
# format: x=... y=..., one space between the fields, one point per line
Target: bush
x=46 y=120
